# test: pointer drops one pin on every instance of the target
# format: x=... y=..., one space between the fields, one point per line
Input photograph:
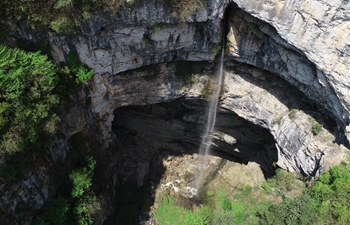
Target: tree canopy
x=27 y=82
x=59 y=15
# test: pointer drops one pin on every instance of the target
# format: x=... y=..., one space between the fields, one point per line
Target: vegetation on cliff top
x=59 y=15
x=66 y=15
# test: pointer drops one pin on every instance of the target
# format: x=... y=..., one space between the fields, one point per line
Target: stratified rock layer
x=306 y=43
x=320 y=30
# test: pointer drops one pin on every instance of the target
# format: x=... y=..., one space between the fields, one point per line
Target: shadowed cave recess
x=271 y=99
x=157 y=144
x=151 y=135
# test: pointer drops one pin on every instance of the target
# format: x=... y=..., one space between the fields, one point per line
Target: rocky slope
x=287 y=70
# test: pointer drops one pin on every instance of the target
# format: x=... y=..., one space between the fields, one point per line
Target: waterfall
x=211 y=119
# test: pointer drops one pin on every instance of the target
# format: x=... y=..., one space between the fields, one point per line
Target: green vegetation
x=293 y=113
x=316 y=128
x=82 y=73
x=206 y=91
x=279 y=119
x=65 y=16
x=82 y=204
x=87 y=203
x=217 y=49
x=59 y=15
x=191 y=79
x=27 y=97
x=31 y=88
x=82 y=178
x=326 y=201
x=183 y=8
x=55 y=212
x=159 y=26
x=148 y=40
x=169 y=213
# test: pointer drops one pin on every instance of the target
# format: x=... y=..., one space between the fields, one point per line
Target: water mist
x=206 y=142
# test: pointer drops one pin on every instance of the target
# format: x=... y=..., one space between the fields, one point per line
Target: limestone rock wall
x=266 y=100
x=146 y=34
x=321 y=31
x=306 y=43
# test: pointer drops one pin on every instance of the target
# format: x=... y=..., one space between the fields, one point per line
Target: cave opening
x=157 y=151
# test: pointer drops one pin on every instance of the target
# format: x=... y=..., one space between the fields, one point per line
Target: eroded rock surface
x=142 y=36
x=288 y=39
x=266 y=100
x=305 y=43
x=320 y=30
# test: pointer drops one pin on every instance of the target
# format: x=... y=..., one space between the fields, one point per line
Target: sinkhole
x=157 y=150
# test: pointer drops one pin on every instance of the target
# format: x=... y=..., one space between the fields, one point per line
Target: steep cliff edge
x=251 y=41
x=287 y=70
x=272 y=40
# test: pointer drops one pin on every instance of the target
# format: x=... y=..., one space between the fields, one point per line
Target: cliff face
x=148 y=34
x=287 y=70
x=257 y=43
x=273 y=39
x=319 y=30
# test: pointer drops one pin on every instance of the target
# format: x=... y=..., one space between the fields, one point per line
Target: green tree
x=27 y=83
x=82 y=178
x=54 y=213
x=87 y=203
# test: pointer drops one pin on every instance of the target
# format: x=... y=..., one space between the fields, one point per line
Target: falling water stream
x=211 y=119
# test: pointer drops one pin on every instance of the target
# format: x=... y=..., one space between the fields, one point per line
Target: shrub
x=279 y=119
x=226 y=205
x=316 y=128
x=61 y=24
x=206 y=91
x=54 y=212
x=82 y=178
x=85 y=208
x=191 y=79
x=148 y=40
x=292 y=114
x=186 y=8
x=159 y=26
x=217 y=49
x=82 y=73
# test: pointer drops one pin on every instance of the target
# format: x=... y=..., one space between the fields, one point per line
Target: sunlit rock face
x=305 y=43
x=286 y=69
x=268 y=101
x=146 y=34
x=254 y=42
x=257 y=43
x=319 y=31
